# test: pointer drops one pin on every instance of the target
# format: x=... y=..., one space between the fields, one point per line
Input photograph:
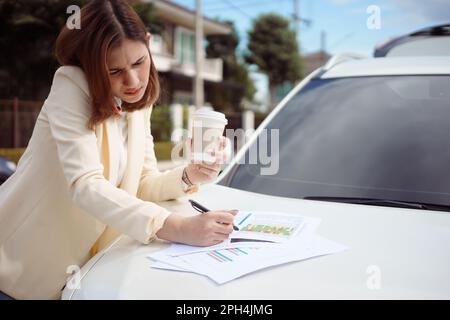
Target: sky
x=344 y=22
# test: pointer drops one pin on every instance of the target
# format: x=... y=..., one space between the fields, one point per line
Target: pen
x=197 y=206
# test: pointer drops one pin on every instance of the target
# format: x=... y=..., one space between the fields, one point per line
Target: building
x=314 y=60
x=174 y=52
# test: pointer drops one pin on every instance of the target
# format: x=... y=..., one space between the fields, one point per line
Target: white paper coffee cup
x=207 y=129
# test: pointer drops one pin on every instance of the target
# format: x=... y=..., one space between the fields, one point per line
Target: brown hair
x=104 y=24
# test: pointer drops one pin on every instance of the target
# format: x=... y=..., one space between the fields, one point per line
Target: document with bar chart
x=229 y=264
x=269 y=226
x=223 y=264
x=227 y=255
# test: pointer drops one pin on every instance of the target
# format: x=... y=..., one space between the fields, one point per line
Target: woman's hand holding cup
x=207 y=147
x=204 y=172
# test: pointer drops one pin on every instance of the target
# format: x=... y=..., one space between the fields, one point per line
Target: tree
x=273 y=48
x=28 y=30
x=149 y=16
x=236 y=79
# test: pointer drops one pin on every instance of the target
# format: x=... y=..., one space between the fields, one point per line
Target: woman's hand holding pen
x=199 y=230
x=208 y=229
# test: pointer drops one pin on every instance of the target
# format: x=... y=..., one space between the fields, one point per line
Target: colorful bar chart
x=275 y=227
x=226 y=254
x=269 y=229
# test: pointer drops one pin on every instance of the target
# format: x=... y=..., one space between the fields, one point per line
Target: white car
x=364 y=145
x=7 y=168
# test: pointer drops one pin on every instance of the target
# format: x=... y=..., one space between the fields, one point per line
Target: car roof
x=439 y=30
x=431 y=41
x=421 y=46
x=424 y=65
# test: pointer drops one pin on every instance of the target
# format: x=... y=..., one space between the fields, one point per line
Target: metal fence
x=17 y=119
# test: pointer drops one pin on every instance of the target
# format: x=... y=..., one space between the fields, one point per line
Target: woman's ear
x=147 y=37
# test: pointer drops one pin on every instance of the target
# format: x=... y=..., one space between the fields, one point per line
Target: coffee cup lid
x=206 y=113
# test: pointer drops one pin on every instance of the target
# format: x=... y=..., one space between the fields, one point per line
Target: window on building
x=185 y=46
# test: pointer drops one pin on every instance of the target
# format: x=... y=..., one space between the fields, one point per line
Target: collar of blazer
x=107 y=141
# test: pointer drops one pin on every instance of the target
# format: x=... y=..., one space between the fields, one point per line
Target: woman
x=89 y=172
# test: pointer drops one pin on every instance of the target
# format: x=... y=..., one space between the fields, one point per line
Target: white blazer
x=57 y=204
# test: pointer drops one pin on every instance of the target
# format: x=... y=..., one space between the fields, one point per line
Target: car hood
x=408 y=247
x=393 y=253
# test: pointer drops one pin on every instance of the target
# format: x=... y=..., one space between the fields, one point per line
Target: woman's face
x=129 y=68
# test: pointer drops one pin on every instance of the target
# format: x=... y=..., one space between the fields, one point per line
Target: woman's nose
x=131 y=79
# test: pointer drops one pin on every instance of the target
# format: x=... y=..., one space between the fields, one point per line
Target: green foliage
x=220 y=46
x=185 y=116
x=242 y=75
x=237 y=83
x=163 y=150
x=273 y=48
x=12 y=154
x=28 y=30
x=161 y=125
x=148 y=15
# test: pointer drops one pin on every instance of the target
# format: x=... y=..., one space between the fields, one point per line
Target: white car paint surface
x=393 y=253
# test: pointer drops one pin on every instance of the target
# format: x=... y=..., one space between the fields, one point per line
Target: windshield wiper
x=383 y=202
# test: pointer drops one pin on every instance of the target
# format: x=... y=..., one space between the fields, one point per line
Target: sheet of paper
x=165 y=266
x=178 y=249
x=228 y=264
x=228 y=261
x=173 y=262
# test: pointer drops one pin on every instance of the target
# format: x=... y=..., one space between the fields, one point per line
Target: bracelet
x=185 y=178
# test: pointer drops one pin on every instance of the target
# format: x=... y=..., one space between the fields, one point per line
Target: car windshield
x=385 y=137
